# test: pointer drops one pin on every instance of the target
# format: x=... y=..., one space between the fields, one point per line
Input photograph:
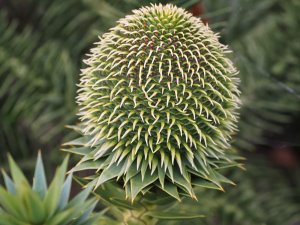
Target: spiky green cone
x=158 y=104
x=22 y=204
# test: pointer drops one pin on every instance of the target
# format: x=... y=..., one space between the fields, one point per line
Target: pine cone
x=158 y=104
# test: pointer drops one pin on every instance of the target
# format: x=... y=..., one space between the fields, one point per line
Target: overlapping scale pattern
x=158 y=103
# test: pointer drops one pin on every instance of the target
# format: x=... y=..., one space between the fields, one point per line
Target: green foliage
x=151 y=207
x=264 y=195
x=22 y=204
x=39 y=63
x=158 y=104
x=266 y=53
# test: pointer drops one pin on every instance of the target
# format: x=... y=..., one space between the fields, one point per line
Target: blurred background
x=43 y=42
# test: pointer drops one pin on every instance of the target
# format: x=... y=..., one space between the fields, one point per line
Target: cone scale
x=158 y=105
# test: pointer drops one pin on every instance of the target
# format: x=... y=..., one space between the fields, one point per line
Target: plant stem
x=138 y=218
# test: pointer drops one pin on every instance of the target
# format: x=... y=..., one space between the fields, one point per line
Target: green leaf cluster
x=149 y=208
x=264 y=195
x=23 y=204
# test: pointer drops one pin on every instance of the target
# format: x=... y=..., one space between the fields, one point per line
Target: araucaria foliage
x=158 y=104
x=22 y=204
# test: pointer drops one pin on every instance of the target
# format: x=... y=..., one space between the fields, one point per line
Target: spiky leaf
x=20 y=204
